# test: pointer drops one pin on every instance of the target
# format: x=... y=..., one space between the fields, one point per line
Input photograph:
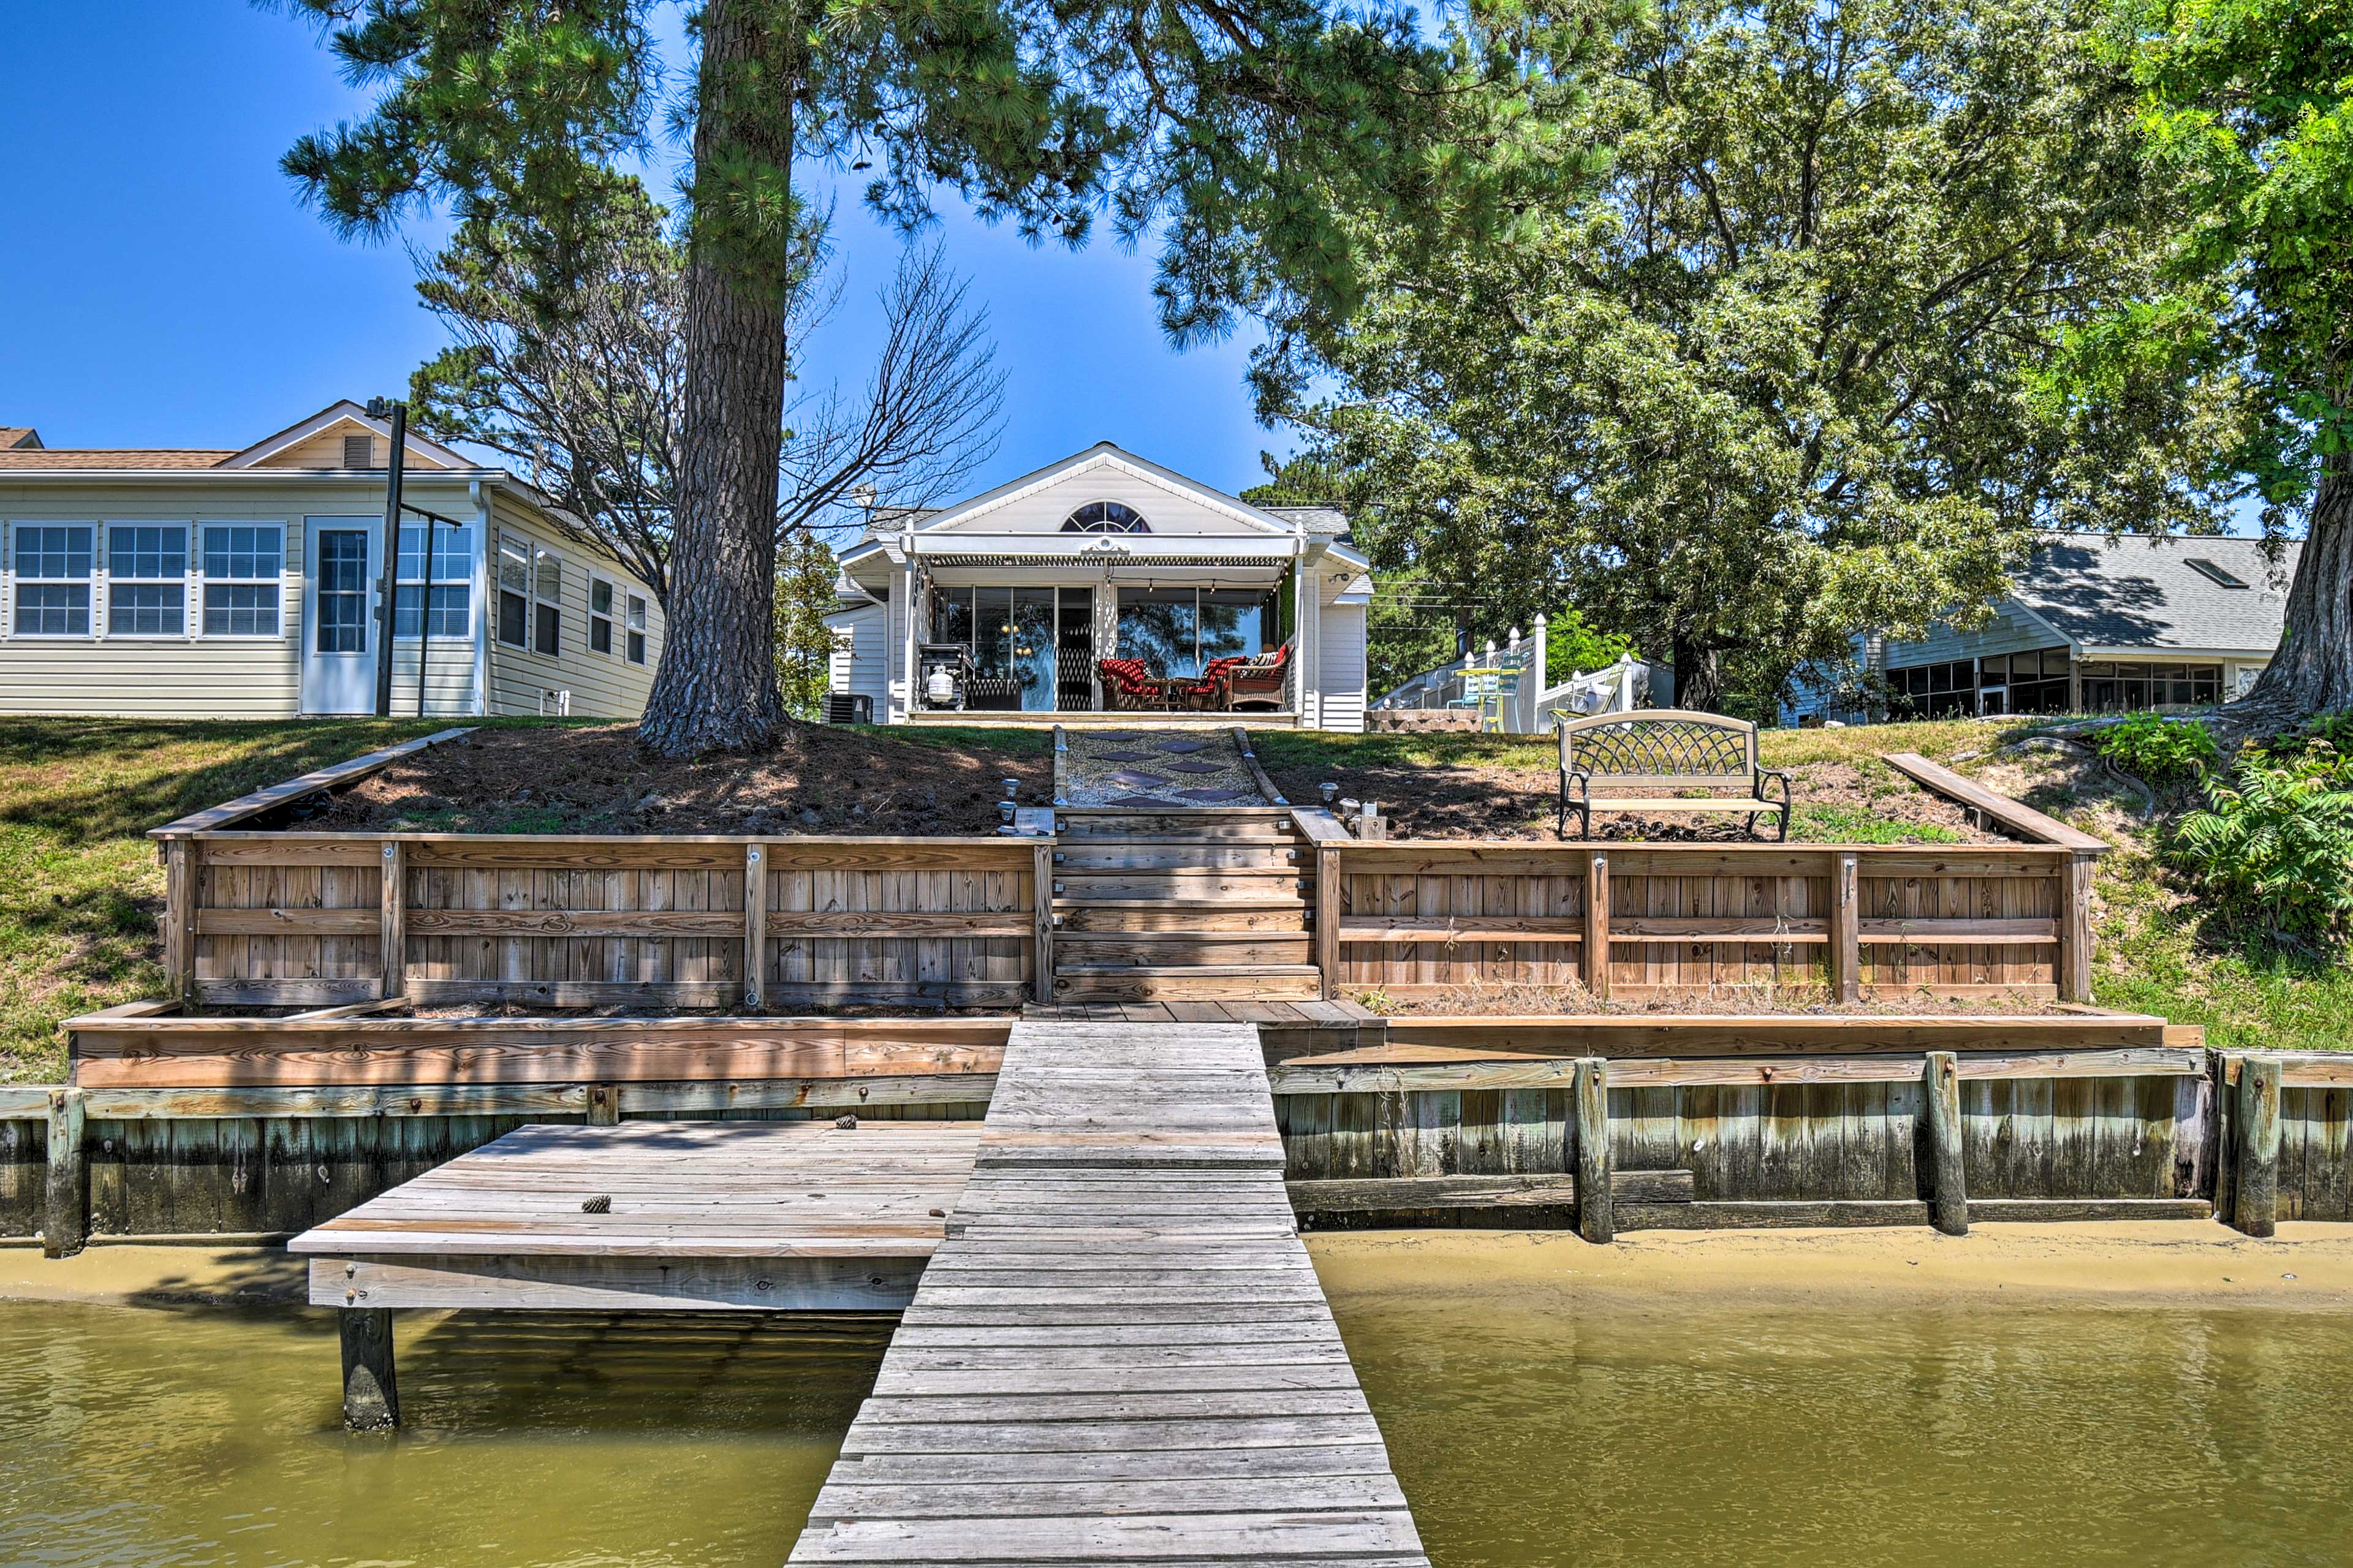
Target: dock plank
x=1119 y=1354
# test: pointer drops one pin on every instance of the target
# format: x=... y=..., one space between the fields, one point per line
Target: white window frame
x=542 y=560
x=205 y=581
x=634 y=626
x=499 y=589
x=187 y=537
x=461 y=562
x=90 y=580
x=610 y=618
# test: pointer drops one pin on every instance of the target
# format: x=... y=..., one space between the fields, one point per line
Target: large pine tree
x=1243 y=131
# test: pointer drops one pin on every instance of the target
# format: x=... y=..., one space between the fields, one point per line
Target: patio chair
x=1127 y=684
x=1258 y=682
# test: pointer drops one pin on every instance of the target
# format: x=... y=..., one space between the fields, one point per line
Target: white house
x=1021 y=593
x=245 y=584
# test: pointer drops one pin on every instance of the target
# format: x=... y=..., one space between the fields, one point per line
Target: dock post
x=604 y=1105
x=2254 y=1181
x=1940 y=1094
x=65 y=1209
x=1596 y=1218
x=371 y=1393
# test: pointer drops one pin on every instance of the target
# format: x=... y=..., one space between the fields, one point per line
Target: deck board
x=1119 y=1352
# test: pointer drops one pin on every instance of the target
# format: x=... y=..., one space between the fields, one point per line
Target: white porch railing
x=1504 y=687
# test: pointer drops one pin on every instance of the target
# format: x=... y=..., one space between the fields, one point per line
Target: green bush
x=2163 y=753
x=2276 y=845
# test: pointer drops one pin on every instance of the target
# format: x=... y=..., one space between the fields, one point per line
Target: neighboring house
x=243 y=585
x=2139 y=623
x=1023 y=590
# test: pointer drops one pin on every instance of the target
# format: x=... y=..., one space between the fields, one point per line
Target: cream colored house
x=244 y=584
x=1020 y=593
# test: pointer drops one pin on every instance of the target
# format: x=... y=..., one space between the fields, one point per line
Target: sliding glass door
x=1177 y=631
x=1032 y=648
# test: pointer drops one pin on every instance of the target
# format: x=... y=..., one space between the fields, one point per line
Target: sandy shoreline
x=2152 y=1264
x=2156 y=1264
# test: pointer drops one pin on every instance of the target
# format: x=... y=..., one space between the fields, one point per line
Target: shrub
x=2161 y=752
x=2276 y=844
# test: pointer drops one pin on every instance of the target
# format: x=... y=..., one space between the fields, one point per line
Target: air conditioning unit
x=555 y=704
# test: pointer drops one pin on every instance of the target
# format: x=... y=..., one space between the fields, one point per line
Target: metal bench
x=1660 y=749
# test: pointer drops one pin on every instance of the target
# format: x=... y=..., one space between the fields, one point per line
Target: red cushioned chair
x=1128 y=685
x=1257 y=684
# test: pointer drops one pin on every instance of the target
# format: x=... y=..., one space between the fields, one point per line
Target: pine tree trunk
x=2313 y=670
x=716 y=688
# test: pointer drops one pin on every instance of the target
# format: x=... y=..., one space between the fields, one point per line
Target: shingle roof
x=2139 y=591
x=1320 y=518
x=19 y=436
x=128 y=459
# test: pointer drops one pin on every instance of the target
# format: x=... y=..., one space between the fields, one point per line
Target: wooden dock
x=1121 y=1353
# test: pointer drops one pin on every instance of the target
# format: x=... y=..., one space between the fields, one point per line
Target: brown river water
x=1530 y=1424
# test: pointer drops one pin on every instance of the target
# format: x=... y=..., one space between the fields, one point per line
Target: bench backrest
x=1661 y=748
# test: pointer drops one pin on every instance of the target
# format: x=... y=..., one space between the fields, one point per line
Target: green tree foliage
x=2163 y=753
x=2250 y=102
x=806 y=574
x=1785 y=375
x=1249 y=133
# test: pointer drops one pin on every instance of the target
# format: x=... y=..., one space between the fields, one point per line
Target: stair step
x=1200 y=840
x=1279 y=983
x=1068 y=825
x=1256 y=884
x=1183 y=915
x=1148 y=949
x=1181 y=856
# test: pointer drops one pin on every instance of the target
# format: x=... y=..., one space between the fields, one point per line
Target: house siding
x=860 y=665
x=1341 y=668
x=603 y=686
x=2011 y=630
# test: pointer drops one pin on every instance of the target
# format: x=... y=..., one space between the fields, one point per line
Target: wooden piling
x=1596 y=954
x=1041 y=910
x=756 y=927
x=1846 y=930
x=604 y=1105
x=1590 y=1116
x=2255 y=1185
x=371 y=1393
x=65 y=1212
x=392 y=918
x=1940 y=1108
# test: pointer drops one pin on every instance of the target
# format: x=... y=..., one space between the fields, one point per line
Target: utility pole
x=387 y=579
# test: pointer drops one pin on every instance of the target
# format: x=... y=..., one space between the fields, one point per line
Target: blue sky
x=163 y=286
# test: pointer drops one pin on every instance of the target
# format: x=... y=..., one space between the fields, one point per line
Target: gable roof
x=1102 y=455
x=342 y=411
x=19 y=437
x=2141 y=591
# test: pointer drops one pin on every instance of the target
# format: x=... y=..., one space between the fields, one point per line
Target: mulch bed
x=1472 y=799
x=822 y=780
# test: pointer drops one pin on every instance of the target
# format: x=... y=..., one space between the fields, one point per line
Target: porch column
x=1311 y=648
x=905 y=684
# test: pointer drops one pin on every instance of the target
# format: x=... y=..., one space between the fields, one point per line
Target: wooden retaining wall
x=1419 y=917
x=306 y=919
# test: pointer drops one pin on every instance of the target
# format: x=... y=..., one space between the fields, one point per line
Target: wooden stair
x=1182 y=907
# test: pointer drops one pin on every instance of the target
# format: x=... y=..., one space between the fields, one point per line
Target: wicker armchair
x=1258 y=682
x=1127 y=684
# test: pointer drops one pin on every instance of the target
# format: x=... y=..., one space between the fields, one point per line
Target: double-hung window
x=452 y=607
x=514 y=590
x=600 y=616
x=637 y=628
x=547 y=602
x=53 y=561
x=147 y=580
x=243 y=566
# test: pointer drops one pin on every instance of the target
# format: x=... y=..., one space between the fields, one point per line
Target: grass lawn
x=80 y=891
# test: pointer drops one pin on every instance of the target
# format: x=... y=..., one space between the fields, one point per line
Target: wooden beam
x=1846 y=928
x=338 y=775
x=2023 y=820
x=756 y=927
x=555 y=1282
x=392 y=900
x=2075 y=927
x=1589 y=1119
x=65 y=1208
x=371 y=1391
x=1948 y=1197
x=181 y=858
x=2255 y=1185
x=1392 y=1070
x=1041 y=910
x=1379 y=1193
x=1777 y=1034
x=1594 y=954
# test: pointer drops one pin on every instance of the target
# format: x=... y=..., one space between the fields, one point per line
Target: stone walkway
x=1157 y=768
